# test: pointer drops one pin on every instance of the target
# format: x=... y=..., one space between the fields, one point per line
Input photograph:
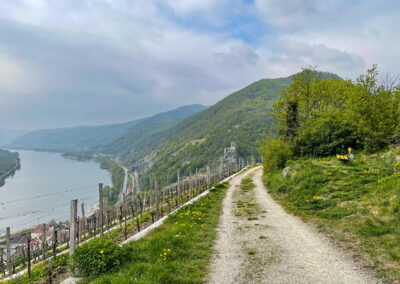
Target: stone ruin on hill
x=230 y=159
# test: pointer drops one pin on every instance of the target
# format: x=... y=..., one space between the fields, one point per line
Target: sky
x=73 y=62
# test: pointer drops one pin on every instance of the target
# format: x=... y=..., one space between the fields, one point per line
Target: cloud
x=89 y=62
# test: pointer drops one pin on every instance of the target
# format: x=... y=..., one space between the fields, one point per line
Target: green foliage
x=358 y=201
x=9 y=163
x=243 y=117
x=97 y=256
x=327 y=136
x=372 y=229
x=219 y=186
x=247 y=184
x=117 y=176
x=176 y=252
x=324 y=116
x=275 y=152
x=118 y=139
x=375 y=107
x=39 y=271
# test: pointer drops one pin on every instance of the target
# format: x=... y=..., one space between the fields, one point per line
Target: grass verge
x=176 y=252
x=356 y=203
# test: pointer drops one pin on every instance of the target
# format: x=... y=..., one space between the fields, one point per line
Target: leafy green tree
x=323 y=116
x=376 y=110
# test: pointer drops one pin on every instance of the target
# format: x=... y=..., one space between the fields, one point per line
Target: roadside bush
x=276 y=153
x=96 y=257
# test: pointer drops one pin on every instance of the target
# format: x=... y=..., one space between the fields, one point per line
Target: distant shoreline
x=12 y=171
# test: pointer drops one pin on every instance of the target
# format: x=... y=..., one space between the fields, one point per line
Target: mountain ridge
x=94 y=138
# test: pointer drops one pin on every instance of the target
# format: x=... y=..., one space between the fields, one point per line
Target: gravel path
x=272 y=246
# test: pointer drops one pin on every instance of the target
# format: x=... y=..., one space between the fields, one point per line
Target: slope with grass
x=357 y=203
x=176 y=252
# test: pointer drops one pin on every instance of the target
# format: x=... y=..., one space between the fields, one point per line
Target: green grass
x=246 y=204
x=40 y=271
x=357 y=201
x=247 y=184
x=176 y=252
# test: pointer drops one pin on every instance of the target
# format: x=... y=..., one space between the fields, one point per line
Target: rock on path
x=275 y=248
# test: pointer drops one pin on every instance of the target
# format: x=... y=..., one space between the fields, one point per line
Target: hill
x=98 y=138
x=9 y=135
x=242 y=117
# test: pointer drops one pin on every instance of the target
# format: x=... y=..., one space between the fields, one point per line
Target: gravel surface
x=275 y=248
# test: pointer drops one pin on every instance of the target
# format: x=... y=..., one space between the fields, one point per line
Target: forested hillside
x=243 y=117
x=9 y=163
x=100 y=138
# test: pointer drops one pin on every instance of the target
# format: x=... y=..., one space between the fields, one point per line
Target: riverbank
x=42 y=189
x=9 y=164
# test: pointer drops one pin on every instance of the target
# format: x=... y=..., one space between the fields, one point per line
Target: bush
x=326 y=137
x=96 y=257
x=276 y=153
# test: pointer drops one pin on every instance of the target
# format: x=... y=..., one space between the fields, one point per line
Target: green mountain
x=100 y=139
x=243 y=117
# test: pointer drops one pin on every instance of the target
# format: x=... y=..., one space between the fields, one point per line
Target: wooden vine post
x=8 y=245
x=28 y=252
x=101 y=208
x=157 y=200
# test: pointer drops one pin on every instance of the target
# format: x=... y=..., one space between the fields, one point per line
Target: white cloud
x=132 y=58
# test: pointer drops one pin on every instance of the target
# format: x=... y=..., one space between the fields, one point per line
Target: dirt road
x=258 y=242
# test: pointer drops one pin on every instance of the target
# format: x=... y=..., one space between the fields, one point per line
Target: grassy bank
x=176 y=252
x=356 y=203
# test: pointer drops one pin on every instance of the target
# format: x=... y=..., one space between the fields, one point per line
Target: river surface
x=44 y=186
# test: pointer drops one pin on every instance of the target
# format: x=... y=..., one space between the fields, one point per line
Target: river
x=42 y=189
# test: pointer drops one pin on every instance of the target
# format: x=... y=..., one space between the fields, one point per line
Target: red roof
x=38 y=228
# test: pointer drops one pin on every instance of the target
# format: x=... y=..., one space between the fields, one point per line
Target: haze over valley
x=214 y=141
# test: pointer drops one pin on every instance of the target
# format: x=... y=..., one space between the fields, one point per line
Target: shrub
x=276 y=153
x=96 y=257
x=327 y=136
